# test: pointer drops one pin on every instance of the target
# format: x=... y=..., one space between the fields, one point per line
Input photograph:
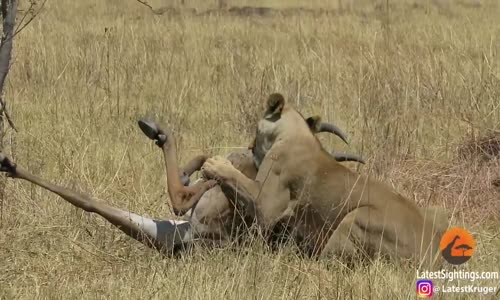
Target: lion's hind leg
x=362 y=235
x=345 y=241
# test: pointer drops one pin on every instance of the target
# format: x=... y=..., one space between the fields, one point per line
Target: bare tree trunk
x=9 y=9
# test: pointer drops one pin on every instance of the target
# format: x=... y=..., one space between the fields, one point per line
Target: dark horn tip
x=343 y=157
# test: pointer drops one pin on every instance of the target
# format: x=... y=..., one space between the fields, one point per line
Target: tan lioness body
x=340 y=212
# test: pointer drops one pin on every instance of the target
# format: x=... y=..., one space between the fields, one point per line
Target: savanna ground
x=415 y=84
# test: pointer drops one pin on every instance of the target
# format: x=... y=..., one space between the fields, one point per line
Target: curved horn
x=348 y=157
x=328 y=127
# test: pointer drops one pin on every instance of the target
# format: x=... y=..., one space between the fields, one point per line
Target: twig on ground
x=145 y=4
x=159 y=11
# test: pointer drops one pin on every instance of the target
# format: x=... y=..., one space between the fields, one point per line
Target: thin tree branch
x=21 y=26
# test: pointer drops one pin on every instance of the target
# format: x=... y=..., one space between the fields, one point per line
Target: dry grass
x=409 y=86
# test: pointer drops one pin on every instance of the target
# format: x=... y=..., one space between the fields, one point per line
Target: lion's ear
x=275 y=104
x=314 y=123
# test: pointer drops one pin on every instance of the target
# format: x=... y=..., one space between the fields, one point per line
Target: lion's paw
x=217 y=167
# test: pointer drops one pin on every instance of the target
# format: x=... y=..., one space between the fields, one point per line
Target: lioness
x=339 y=212
x=205 y=220
x=205 y=206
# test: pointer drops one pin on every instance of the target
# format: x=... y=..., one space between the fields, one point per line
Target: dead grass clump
x=482 y=148
x=467 y=190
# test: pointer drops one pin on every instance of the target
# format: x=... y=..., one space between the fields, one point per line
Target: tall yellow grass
x=410 y=84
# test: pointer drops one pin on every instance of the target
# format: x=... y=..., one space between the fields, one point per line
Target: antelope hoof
x=6 y=165
x=151 y=130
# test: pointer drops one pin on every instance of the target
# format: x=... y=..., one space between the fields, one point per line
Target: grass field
x=416 y=86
